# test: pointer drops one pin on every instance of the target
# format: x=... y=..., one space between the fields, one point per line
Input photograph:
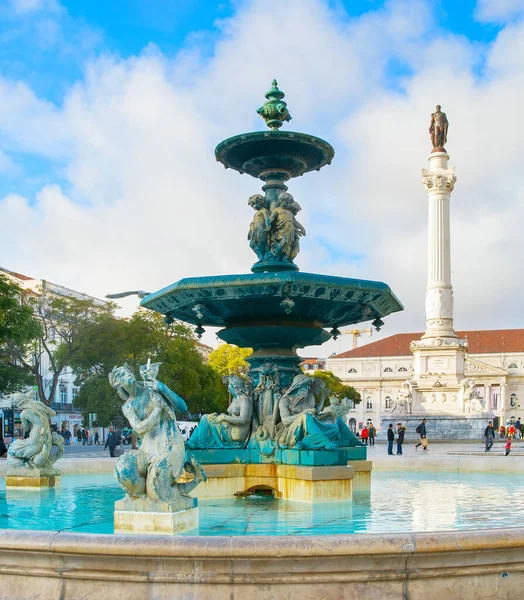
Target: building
x=63 y=403
x=494 y=360
x=313 y=364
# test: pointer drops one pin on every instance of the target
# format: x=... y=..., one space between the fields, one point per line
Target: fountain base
x=286 y=482
x=143 y=515
x=32 y=478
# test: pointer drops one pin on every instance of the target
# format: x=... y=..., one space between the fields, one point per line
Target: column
x=439 y=181
x=487 y=396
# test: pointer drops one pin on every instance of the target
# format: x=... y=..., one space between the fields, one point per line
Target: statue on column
x=438 y=128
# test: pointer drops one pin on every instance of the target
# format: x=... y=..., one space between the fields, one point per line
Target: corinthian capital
x=439 y=181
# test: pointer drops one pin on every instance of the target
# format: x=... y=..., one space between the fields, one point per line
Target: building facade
x=494 y=360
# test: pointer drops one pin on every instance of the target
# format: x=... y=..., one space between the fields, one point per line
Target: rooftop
x=494 y=341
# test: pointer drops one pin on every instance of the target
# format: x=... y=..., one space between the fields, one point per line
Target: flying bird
x=140 y=293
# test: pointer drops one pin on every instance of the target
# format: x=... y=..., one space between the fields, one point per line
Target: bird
x=140 y=293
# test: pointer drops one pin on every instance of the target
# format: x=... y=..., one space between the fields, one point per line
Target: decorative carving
x=473 y=400
x=439 y=303
x=231 y=430
x=274 y=235
x=35 y=451
x=439 y=181
x=153 y=470
x=274 y=111
x=438 y=129
x=265 y=393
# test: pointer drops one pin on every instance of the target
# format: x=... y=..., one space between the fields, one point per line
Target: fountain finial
x=274 y=111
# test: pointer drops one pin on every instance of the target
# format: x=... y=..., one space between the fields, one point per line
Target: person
x=507 y=447
x=391 y=439
x=421 y=430
x=401 y=431
x=67 y=437
x=84 y=437
x=517 y=428
x=111 y=442
x=502 y=431
x=364 y=434
x=96 y=438
x=489 y=436
x=371 y=434
x=3 y=447
x=79 y=435
x=511 y=431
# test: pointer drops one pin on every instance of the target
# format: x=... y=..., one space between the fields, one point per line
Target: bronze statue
x=438 y=128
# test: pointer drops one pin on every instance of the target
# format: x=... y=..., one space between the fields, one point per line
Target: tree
x=228 y=359
x=110 y=341
x=337 y=387
x=18 y=328
x=62 y=320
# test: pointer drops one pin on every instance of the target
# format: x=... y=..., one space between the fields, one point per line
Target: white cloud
x=146 y=203
x=499 y=11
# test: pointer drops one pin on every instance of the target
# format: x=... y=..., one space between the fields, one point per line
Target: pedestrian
x=111 y=442
x=365 y=435
x=371 y=434
x=507 y=447
x=502 y=432
x=517 y=428
x=401 y=431
x=391 y=439
x=96 y=438
x=84 y=437
x=3 y=447
x=421 y=430
x=79 y=435
x=67 y=437
x=489 y=436
x=511 y=431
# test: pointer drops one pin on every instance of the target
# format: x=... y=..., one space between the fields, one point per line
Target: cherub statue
x=231 y=430
x=286 y=230
x=153 y=470
x=260 y=226
x=35 y=451
x=266 y=390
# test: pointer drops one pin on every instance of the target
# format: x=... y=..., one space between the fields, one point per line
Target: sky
x=110 y=113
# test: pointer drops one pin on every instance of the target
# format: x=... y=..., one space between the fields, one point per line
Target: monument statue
x=473 y=400
x=404 y=398
x=231 y=430
x=35 y=451
x=438 y=128
x=337 y=408
x=300 y=426
x=285 y=229
x=152 y=471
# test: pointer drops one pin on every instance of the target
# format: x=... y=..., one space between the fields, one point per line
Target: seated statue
x=337 y=408
x=35 y=451
x=153 y=470
x=300 y=426
x=231 y=430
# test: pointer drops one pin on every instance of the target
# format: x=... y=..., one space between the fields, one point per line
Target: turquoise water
x=397 y=502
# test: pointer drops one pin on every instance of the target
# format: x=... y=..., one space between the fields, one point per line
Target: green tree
x=337 y=387
x=110 y=341
x=62 y=321
x=229 y=359
x=18 y=329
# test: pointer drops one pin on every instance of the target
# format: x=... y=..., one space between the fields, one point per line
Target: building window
x=75 y=392
x=352 y=370
x=513 y=366
x=389 y=402
x=513 y=400
x=369 y=403
x=315 y=367
x=388 y=370
x=403 y=369
x=352 y=425
x=63 y=394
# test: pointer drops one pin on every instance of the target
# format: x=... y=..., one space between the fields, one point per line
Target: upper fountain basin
x=225 y=300
x=266 y=154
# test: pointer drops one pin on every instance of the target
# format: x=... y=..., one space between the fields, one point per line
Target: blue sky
x=110 y=111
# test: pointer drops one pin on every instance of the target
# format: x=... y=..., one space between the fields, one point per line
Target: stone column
x=439 y=181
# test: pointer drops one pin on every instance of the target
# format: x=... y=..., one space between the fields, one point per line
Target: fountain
x=276 y=422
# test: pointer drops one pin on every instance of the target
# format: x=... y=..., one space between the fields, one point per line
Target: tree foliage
x=18 y=329
x=110 y=341
x=337 y=387
x=62 y=321
x=229 y=359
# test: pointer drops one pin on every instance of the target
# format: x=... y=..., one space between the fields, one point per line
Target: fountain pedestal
x=143 y=515
x=31 y=478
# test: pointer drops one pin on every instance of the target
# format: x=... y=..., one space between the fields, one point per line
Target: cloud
x=498 y=11
x=142 y=201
